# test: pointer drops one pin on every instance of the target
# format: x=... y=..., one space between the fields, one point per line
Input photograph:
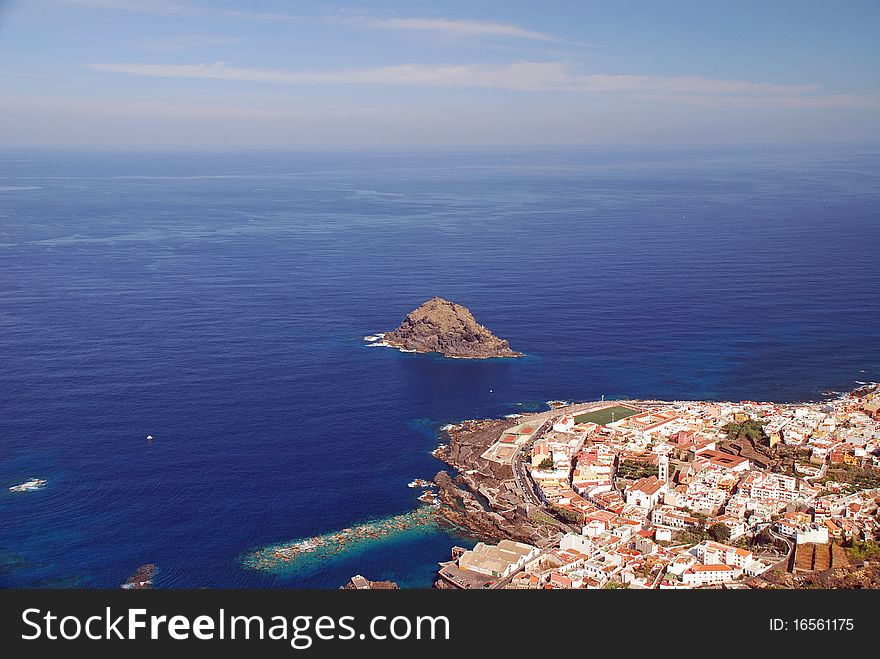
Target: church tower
x=663 y=472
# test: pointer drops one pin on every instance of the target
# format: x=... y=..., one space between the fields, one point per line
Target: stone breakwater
x=305 y=553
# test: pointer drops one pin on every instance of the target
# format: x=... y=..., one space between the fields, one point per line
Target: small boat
x=30 y=485
x=149 y=438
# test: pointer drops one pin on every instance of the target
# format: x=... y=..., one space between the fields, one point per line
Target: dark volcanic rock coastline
x=358 y=582
x=482 y=498
x=442 y=326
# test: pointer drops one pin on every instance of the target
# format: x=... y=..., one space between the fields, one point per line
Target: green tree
x=635 y=469
x=568 y=515
x=753 y=430
x=546 y=463
x=765 y=537
x=719 y=532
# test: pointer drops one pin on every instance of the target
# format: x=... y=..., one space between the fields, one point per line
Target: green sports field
x=607 y=415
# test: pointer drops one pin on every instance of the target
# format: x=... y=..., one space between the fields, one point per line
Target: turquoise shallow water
x=218 y=302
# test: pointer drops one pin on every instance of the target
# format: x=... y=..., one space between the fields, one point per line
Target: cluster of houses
x=842 y=431
x=632 y=526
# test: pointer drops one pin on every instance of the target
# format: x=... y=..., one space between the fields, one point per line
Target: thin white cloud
x=784 y=101
x=170 y=8
x=456 y=27
x=521 y=76
x=683 y=85
x=174 y=44
x=138 y=6
x=105 y=107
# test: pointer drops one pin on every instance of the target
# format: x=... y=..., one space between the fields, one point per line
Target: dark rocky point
x=358 y=582
x=442 y=326
x=142 y=579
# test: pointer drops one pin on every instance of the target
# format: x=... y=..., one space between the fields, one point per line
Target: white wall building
x=817 y=533
x=706 y=575
x=499 y=560
x=564 y=423
x=645 y=493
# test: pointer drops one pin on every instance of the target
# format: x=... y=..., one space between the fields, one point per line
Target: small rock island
x=442 y=326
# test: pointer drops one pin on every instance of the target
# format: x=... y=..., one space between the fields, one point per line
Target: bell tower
x=663 y=472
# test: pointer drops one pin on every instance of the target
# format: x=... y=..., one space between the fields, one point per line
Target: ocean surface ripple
x=219 y=303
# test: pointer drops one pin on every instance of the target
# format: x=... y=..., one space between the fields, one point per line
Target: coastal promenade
x=524 y=484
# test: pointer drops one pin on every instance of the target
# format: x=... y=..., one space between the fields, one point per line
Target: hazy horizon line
x=625 y=146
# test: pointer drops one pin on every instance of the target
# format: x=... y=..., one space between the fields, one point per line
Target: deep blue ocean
x=219 y=302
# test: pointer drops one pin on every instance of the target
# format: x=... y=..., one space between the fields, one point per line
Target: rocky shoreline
x=358 y=582
x=491 y=498
x=482 y=498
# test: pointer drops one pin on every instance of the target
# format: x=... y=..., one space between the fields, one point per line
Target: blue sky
x=196 y=73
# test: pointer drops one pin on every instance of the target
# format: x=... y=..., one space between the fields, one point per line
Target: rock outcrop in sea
x=142 y=579
x=442 y=326
x=359 y=582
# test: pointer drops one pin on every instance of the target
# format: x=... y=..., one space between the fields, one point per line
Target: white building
x=759 y=485
x=671 y=518
x=716 y=553
x=564 y=423
x=499 y=560
x=645 y=493
x=706 y=575
x=663 y=535
x=817 y=533
x=579 y=543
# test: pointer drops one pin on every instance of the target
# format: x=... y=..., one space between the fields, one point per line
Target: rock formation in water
x=442 y=326
x=358 y=582
x=142 y=579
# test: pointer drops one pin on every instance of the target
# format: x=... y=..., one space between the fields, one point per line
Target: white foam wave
x=30 y=485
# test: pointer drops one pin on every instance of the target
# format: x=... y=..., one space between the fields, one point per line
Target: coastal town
x=668 y=495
